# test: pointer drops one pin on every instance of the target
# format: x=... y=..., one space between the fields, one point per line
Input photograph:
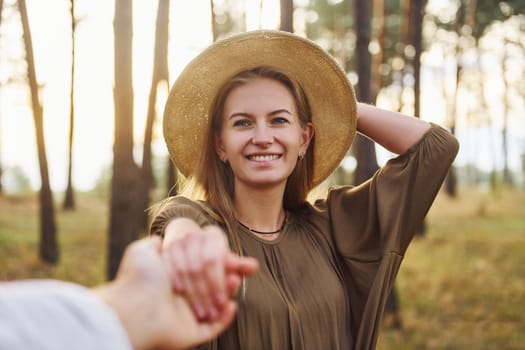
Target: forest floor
x=461 y=285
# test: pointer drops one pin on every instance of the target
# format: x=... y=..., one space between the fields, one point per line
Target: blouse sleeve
x=381 y=215
x=46 y=314
x=372 y=224
x=176 y=207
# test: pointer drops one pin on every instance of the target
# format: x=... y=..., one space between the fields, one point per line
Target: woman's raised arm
x=394 y=131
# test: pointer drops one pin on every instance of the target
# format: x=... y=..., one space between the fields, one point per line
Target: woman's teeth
x=264 y=158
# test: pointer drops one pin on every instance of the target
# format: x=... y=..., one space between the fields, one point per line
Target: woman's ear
x=307 y=135
x=219 y=148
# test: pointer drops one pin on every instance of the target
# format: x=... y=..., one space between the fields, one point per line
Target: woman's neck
x=261 y=210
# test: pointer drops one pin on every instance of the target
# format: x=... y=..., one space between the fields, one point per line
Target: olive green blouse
x=323 y=283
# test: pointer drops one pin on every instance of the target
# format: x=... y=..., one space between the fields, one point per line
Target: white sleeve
x=53 y=315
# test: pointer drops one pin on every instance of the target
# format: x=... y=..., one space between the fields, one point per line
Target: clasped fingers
x=198 y=270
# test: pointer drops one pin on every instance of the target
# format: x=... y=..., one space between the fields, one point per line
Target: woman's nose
x=262 y=135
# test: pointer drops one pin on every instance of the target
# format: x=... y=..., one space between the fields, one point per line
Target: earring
x=301 y=155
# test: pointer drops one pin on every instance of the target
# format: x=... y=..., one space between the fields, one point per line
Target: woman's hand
x=203 y=268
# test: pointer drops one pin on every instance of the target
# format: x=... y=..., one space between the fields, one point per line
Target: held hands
x=205 y=271
x=142 y=294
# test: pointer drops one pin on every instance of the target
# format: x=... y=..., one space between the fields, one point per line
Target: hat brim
x=330 y=95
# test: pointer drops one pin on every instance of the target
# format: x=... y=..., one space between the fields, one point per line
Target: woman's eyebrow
x=278 y=111
x=239 y=114
x=247 y=115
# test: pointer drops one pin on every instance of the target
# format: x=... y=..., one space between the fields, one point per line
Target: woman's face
x=261 y=135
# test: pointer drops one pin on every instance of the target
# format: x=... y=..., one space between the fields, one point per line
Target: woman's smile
x=263 y=158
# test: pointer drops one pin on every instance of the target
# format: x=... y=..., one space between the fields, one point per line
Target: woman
x=255 y=122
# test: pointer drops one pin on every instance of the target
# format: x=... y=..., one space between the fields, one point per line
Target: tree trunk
x=450 y=180
x=125 y=214
x=48 y=244
x=287 y=15
x=171 y=179
x=364 y=148
x=417 y=41
x=406 y=21
x=214 y=30
x=507 y=176
x=1 y=188
x=416 y=13
x=160 y=73
x=261 y=3
x=69 y=200
x=380 y=15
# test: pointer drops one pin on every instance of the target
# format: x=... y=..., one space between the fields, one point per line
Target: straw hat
x=330 y=95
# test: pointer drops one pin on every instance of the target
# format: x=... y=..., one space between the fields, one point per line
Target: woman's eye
x=280 y=120
x=241 y=122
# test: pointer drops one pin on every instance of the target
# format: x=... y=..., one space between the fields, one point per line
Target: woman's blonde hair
x=213 y=179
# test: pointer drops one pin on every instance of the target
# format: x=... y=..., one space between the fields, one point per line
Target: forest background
x=82 y=89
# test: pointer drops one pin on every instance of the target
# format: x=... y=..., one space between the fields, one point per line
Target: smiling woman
x=255 y=121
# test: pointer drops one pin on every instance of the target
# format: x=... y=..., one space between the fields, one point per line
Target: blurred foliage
x=476 y=16
x=334 y=23
x=103 y=183
x=101 y=190
x=332 y=28
x=14 y=180
x=229 y=17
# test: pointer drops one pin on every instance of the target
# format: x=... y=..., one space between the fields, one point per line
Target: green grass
x=82 y=241
x=462 y=286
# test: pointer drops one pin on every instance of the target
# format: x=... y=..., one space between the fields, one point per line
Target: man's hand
x=154 y=316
